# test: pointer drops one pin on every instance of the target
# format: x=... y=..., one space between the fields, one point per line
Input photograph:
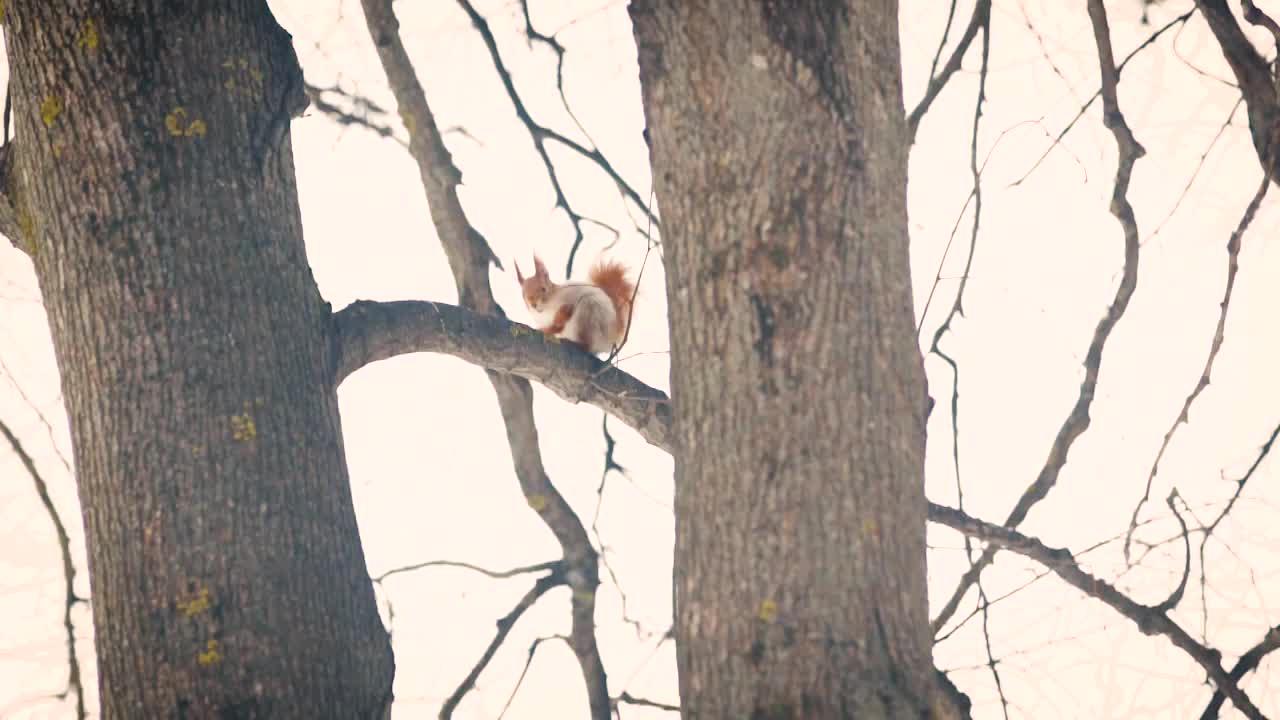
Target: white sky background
x=429 y=463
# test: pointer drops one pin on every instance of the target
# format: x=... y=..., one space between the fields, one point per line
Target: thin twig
x=1078 y=420
x=981 y=19
x=69 y=599
x=505 y=623
x=1179 y=20
x=1215 y=344
x=496 y=574
x=1247 y=663
x=1149 y=620
x=528 y=663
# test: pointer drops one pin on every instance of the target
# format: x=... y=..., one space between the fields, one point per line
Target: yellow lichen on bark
x=50 y=109
x=243 y=428
x=211 y=654
x=196 y=605
x=768 y=611
x=175 y=122
x=87 y=38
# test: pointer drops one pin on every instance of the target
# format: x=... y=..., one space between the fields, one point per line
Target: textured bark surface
x=155 y=192
x=779 y=149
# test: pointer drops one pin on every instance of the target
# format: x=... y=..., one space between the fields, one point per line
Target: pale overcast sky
x=427 y=450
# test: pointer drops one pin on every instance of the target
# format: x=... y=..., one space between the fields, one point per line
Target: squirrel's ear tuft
x=539 y=270
x=518 y=275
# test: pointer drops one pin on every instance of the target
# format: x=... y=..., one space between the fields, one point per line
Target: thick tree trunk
x=153 y=182
x=779 y=149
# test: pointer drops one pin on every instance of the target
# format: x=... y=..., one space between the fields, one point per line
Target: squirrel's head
x=537 y=287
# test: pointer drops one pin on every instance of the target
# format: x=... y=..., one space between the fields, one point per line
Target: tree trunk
x=152 y=178
x=780 y=155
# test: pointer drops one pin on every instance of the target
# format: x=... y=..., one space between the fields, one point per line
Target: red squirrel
x=593 y=315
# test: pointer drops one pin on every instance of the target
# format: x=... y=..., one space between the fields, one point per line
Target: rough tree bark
x=779 y=148
x=152 y=182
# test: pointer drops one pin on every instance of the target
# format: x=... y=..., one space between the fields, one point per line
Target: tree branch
x=1251 y=72
x=1215 y=345
x=1149 y=620
x=469 y=257
x=1078 y=420
x=366 y=332
x=1247 y=663
x=980 y=20
x=540 y=133
x=69 y=600
x=358 y=116
x=505 y=623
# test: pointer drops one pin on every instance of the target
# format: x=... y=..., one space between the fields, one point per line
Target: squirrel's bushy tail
x=611 y=276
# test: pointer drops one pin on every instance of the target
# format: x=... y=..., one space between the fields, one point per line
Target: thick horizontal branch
x=365 y=332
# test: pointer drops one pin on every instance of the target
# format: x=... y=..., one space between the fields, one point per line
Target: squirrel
x=593 y=315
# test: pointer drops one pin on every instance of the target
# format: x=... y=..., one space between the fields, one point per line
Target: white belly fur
x=593 y=316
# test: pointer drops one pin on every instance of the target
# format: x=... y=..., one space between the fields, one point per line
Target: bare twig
x=610 y=446
x=505 y=623
x=357 y=118
x=946 y=35
x=1186 y=189
x=495 y=574
x=40 y=415
x=630 y=699
x=1263 y=453
x=992 y=663
x=1149 y=620
x=1078 y=420
x=1057 y=141
x=524 y=672
x=540 y=134
x=980 y=20
x=551 y=42
x=1215 y=344
x=1175 y=597
x=1247 y=663
x=69 y=599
